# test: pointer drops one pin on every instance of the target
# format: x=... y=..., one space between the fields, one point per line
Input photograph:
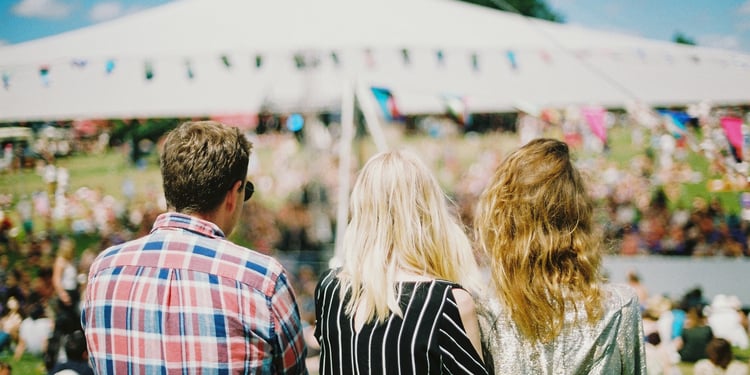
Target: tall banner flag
x=596 y=117
x=387 y=103
x=733 y=130
x=676 y=121
x=457 y=109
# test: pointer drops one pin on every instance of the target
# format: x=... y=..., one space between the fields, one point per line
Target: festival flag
x=258 y=61
x=406 y=57
x=595 y=117
x=44 y=74
x=109 y=66
x=440 y=57
x=225 y=60
x=148 y=71
x=733 y=130
x=387 y=103
x=189 y=69
x=512 y=59
x=676 y=121
x=79 y=63
x=457 y=109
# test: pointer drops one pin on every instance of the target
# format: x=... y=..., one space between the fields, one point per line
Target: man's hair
x=200 y=162
x=75 y=346
x=535 y=223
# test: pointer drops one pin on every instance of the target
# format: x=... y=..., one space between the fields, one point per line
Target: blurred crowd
x=296 y=221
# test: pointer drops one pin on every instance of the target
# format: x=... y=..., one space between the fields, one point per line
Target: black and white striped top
x=430 y=339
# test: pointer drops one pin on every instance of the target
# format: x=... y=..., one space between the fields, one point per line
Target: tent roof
x=493 y=59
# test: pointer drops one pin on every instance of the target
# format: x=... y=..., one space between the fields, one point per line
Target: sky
x=711 y=23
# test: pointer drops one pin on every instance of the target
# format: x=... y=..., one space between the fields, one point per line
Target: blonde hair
x=534 y=221
x=400 y=219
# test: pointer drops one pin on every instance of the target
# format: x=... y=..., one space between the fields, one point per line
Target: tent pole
x=345 y=156
x=367 y=105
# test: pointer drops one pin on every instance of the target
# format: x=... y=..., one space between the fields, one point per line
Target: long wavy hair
x=534 y=222
x=400 y=220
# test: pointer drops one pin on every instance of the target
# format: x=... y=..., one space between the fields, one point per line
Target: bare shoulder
x=465 y=301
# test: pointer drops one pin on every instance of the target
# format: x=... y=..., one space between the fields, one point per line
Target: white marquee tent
x=214 y=57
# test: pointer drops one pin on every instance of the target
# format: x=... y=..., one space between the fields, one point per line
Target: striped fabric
x=184 y=300
x=430 y=339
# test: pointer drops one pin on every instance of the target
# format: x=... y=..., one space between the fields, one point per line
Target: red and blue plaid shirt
x=185 y=300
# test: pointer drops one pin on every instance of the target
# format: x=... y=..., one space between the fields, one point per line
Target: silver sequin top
x=614 y=345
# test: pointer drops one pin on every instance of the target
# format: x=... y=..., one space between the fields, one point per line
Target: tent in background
x=228 y=57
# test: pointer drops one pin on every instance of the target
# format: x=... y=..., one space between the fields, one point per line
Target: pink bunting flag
x=595 y=117
x=733 y=130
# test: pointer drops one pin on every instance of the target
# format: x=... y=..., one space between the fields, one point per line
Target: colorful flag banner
x=596 y=118
x=405 y=55
x=546 y=57
x=475 y=61
x=387 y=103
x=512 y=59
x=440 y=57
x=457 y=109
x=109 y=66
x=733 y=130
x=189 y=69
x=79 y=63
x=369 y=59
x=44 y=75
x=149 y=71
x=225 y=60
x=676 y=121
x=335 y=59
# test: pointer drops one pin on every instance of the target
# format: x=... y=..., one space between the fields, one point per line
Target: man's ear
x=231 y=199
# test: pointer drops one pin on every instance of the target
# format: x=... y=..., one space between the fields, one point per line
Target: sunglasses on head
x=249 y=190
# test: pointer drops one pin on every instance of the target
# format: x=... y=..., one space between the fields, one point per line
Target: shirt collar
x=174 y=220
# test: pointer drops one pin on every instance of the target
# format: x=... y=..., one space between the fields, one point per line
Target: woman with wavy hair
x=398 y=303
x=549 y=310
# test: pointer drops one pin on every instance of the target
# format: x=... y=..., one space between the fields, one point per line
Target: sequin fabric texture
x=614 y=345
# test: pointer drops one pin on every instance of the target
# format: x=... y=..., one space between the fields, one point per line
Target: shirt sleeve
x=290 y=351
x=459 y=354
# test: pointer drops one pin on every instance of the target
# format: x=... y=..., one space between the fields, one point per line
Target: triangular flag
x=387 y=103
x=512 y=59
x=457 y=109
x=44 y=74
x=595 y=117
x=109 y=66
x=733 y=130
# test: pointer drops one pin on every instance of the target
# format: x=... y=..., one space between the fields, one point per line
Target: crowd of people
x=41 y=292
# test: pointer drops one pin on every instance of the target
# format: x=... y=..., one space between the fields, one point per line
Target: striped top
x=185 y=300
x=429 y=339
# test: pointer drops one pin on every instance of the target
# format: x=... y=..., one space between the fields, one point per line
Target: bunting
x=109 y=66
x=733 y=130
x=596 y=118
x=44 y=75
x=457 y=109
x=387 y=103
x=512 y=59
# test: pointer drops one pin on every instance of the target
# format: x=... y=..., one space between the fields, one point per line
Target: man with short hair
x=184 y=299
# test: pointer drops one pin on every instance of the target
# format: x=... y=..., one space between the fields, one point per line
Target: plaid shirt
x=185 y=300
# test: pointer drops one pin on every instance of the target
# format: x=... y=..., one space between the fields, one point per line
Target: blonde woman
x=398 y=303
x=549 y=311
